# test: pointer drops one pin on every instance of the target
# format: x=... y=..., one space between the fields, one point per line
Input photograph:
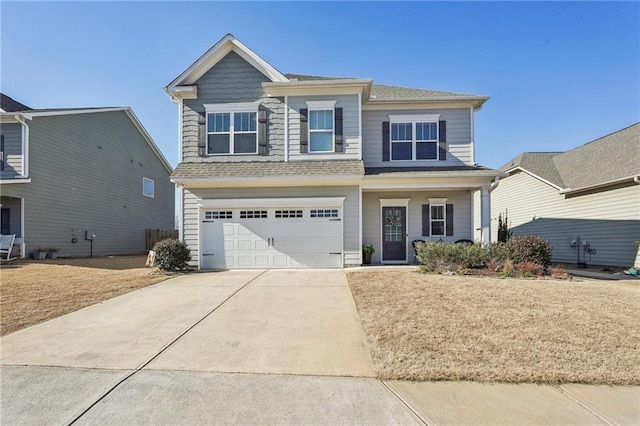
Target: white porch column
x=485 y=214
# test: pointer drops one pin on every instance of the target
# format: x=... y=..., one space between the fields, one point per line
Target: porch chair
x=6 y=245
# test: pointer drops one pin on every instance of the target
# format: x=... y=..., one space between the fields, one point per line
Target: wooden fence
x=152 y=236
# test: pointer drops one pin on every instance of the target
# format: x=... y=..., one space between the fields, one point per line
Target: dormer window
x=232 y=129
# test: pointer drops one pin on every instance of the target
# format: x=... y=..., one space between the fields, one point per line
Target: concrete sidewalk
x=252 y=347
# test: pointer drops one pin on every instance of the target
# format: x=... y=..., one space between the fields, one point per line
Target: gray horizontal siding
x=609 y=220
x=371 y=215
x=350 y=127
x=12 y=133
x=351 y=211
x=86 y=174
x=458 y=137
x=232 y=80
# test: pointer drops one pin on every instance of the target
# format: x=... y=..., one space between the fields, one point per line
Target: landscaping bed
x=433 y=327
x=35 y=291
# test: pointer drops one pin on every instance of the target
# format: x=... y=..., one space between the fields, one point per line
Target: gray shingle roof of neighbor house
x=383 y=92
x=268 y=169
x=9 y=104
x=610 y=158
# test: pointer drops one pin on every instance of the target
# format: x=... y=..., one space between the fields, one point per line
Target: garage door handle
x=335 y=252
x=208 y=254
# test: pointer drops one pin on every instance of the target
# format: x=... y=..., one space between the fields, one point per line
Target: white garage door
x=289 y=237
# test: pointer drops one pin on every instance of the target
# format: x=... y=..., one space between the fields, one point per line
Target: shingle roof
x=431 y=170
x=611 y=157
x=268 y=169
x=9 y=104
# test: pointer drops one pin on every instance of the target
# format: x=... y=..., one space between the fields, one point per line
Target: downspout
x=494 y=184
x=286 y=128
x=180 y=189
x=25 y=145
x=636 y=179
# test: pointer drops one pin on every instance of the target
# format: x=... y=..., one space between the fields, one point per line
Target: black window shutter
x=449 y=224
x=442 y=141
x=2 y=152
x=304 y=131
x=385 y=141
x=262 y=131
x=202 y=135
x=338 y=130
x=425 y=220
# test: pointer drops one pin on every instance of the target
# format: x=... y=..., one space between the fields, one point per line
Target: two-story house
x=283 y=170
x=80 y=180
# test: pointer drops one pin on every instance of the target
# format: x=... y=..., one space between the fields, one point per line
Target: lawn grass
x=433 y=327
x=35 y=291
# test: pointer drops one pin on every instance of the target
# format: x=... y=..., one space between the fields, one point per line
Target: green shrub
x=529 y=248
x=504 y=233
x=172 y=255
x=441 y=257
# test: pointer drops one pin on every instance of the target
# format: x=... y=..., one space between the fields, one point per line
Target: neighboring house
x=284 y=170
x=67 y=174
x=591 y=192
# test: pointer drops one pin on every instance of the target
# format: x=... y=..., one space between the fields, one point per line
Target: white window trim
x=413 y=119
x=443 y=220
x=153 y=187
x=322 y=106
x=231 y=109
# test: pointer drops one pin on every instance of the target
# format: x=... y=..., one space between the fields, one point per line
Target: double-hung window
x=437 y=218
x=232 y=129
x=414 y=137
x=321 y=126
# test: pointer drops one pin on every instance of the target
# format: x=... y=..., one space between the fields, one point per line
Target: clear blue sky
x=559 y=74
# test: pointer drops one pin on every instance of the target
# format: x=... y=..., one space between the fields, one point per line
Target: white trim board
x=272 y=202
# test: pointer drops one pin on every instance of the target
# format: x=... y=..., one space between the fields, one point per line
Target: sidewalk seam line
x=578 y=401
x=406 y=404
x=164 y=348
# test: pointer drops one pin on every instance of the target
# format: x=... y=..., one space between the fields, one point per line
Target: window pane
x=401 y=151
x=218 y=122
x=321 y=141
x=244 y=143
x=437 y=212
x=437 y=228
x=401 y=131
x=321 y=120
x=218 y=144
x=426 y=132
x=244 y=122
x=426 y=151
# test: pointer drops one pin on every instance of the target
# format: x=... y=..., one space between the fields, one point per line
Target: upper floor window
x=414 y=137
x=321 y=126
x=148 y=187
x=232 y=129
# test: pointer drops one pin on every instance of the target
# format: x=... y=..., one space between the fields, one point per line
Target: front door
x=394 y=234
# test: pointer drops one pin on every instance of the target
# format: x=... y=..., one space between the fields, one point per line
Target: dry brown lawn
x=35 y=291
x=433 y=327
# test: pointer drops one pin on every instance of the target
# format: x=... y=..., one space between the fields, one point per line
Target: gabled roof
x=8 y=104
x=227 y=44
x=607 y=160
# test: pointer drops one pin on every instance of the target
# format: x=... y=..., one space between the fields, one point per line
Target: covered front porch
x=402 y=206
x=12 y=222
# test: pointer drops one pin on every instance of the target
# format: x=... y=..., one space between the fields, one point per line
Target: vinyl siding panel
x=459 y=151
x=351 y=213
x=86 y=174
x=608 y=220
x=232 y=80
x=12 y=150
x=351 y=129
x=371 y=216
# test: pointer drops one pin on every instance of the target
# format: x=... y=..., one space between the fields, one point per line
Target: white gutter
x=361 y=149
x=25 y=145
x=494 y=184
x=635 y=179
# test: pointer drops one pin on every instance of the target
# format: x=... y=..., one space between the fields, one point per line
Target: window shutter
x=202 y=135
x=449 y=224
x=304 y=131
x=385 y=141
x=425 y=220
x=2 y=152
x=339 y=146
x=442 y=141
x=262 y=131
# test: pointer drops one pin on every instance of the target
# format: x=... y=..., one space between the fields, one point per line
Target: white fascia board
x=417 y=104
x=31 y=115
x=218 y=51
x=272 y=202
x=536 y=177
x=16 y=180
x=370 y=186
x=599 y=185
x=248 y=182
x=147 y=138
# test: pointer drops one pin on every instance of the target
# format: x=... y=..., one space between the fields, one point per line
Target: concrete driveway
x=250 y=347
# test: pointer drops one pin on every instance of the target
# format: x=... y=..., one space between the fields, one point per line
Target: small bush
x=508 y=269
x=558 y=272
x=530 y=268
x=529 y=249
x=172 y=255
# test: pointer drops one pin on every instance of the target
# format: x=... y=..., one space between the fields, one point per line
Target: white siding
x=458 y=138
x=371 y=226
x=351 y=213
x=609 y=220
x=350 y=127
